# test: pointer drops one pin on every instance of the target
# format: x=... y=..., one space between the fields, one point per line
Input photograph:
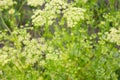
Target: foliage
x=59 y=40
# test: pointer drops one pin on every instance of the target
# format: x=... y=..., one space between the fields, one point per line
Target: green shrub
x=59 y=40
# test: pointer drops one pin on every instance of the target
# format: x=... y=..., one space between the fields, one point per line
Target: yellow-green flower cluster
x=35 y=3
x=53 y=54
x=11 y=11
x=38 y=18
x=33 y=51
x=114 y=18
x=74 y=15
x=42 y=17
x=49 y=13
x=55 y=8
x=5 y=4
x=114 y=35
x=22 y=47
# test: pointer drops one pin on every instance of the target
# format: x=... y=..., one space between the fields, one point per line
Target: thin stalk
x=5 y=25
x=19 y=10
x=22 y=5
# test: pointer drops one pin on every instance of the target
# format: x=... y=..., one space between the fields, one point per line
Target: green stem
x=22 y=5
x=5 y=25
x=19 y=10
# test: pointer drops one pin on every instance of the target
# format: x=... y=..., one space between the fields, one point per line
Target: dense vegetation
x=59 y=39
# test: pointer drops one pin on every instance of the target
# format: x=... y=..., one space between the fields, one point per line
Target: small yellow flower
x=11 y=11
